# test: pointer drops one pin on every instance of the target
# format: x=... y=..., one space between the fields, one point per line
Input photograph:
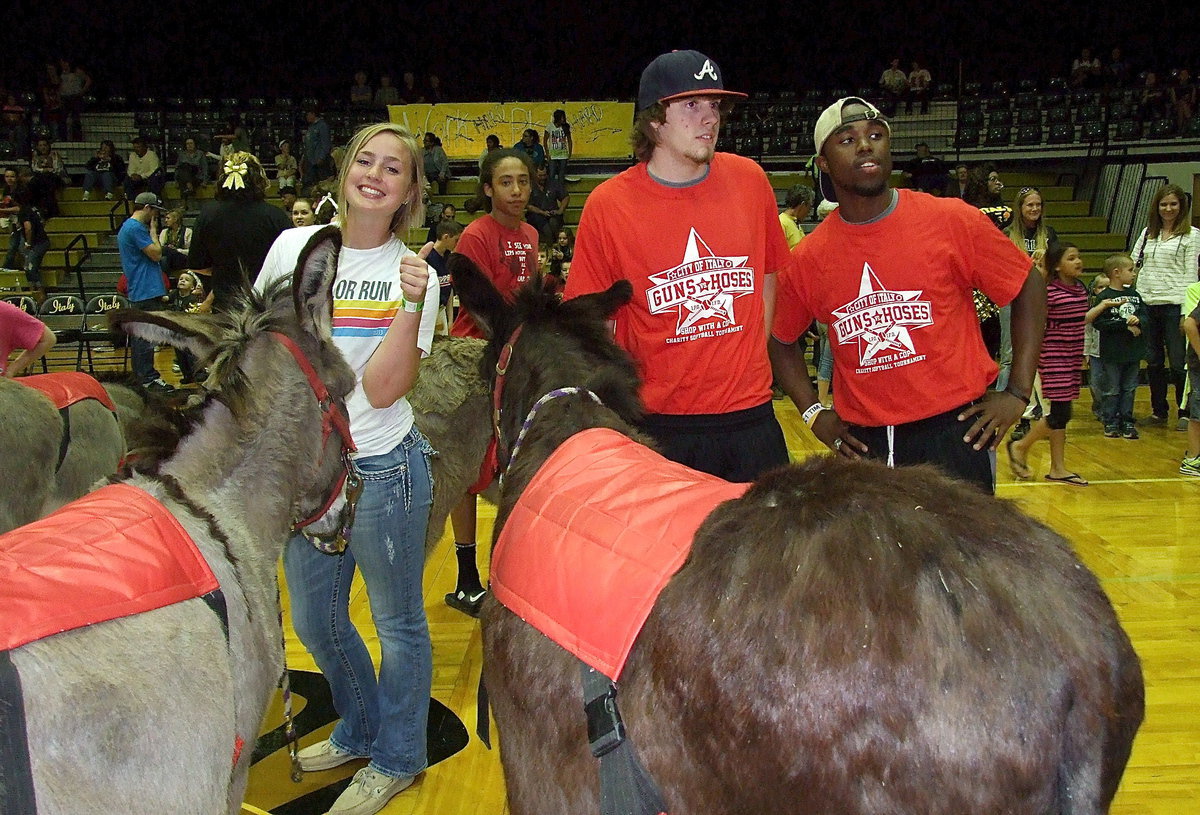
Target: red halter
x=331 y=419
x=498 y=387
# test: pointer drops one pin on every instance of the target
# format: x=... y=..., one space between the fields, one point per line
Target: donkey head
x=250 y=372
x=562 y=343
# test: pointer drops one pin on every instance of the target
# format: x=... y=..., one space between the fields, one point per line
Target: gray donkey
x=42 y=474
x=147 y=713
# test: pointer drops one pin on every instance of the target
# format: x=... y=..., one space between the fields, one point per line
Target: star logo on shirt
x=702 y=288
x=879 y=320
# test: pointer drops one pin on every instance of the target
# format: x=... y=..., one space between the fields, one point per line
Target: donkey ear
x=477 y=294
x=312 y=281
x=191 y=332
x=602 y=303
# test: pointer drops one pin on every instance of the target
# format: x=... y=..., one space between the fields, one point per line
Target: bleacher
x=1013 y=126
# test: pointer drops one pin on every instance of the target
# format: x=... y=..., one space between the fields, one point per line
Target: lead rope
x=285 y=685
x=533 y=411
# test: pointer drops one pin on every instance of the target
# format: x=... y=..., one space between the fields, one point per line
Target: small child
x=1091 y=350
x=1191 y=329
x=1059 y=365
x=1118 y=316
x=187 y=297
x=447 y=233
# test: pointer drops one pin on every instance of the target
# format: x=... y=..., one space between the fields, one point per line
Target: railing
x=122 y=204
x=77 y=267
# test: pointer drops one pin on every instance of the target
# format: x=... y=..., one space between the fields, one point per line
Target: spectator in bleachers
x=14 y=130
x=9 y=209
x=492 y=142
x=24 y=331
x=529 y=144
x=1182 y=97
x=796 y=208
x=433 y=90
x=1116 y=73
x=445 y=241
x=235 y=135
x=410 y=92
x=919 y=82
x=49 y=176
x=234 y=232
x=191 y=169
x=386 y=94
x=52 y=109
x=302 y=212
x=561 y=252
x=1167 y=253
x=559 y=145
x=547 y=202
x=361 y=94
x=103 y=170
x=448 y=213
x=894 y=84
x=32 y=223
x=315 y=165
x=176 y=240
x=143 y=172
x=926 y=172
x=1154 y=103
x=983 y=191
x=437 y=163
x=957 y=187
x=1085 y=70
x=73 y=83
x=287 y=169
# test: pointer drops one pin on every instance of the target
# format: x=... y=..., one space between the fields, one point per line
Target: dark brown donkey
x=842 y=639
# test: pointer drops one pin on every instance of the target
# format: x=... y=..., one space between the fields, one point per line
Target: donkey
x=149 y=712
x=842 y=638
x=451 y=408
x=58 y=456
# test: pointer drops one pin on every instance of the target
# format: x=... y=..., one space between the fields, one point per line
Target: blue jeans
x=141 y=352
x=558 y=170
x=1006 y=352
x=1119 y=383
x=386 y=718
x=101 y=178
x=1162 y=331
x=33 y=262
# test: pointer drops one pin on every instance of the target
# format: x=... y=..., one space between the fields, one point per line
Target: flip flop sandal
x=1074 y=479
x=1019 y=468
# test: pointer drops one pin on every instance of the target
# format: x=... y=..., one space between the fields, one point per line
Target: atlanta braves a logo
x=701 y=290
x=709 y=70
x=880 y=321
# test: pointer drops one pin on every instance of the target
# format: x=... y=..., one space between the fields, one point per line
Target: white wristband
x=810 y=413
x=410 y=306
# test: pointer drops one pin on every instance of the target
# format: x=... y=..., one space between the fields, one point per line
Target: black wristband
x=1012 y=391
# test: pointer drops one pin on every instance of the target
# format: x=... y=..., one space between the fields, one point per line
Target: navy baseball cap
x=678 y=74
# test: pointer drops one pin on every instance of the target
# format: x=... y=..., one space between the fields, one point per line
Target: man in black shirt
x=926 y=172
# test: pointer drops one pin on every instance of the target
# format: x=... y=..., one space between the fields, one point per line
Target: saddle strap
x=16 y=773
x=65 y=441
x=626 y=788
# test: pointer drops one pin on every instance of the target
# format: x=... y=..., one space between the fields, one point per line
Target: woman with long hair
x=1030 y=232
x=385 y=304
x=1059 y=365
x=1168 y=253
x=505 y=248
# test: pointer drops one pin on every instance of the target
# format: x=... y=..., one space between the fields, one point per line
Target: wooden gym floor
x=1136 y=526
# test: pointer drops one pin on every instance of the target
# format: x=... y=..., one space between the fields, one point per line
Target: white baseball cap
x=842 y=112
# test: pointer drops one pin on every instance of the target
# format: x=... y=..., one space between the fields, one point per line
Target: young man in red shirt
x=893 y=273
x=697 y=234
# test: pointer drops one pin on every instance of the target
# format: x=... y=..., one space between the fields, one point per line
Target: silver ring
x=837 y=444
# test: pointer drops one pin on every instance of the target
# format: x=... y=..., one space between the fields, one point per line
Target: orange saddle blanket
x=595 y=537
x=68 y=387
x=114 y=552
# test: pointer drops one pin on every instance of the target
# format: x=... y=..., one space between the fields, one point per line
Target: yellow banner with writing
x=598 y=129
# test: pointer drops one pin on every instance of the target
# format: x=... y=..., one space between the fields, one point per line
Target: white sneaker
x=323 y=756
x=369 y=792
x=108 y=196
x=87 y=195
